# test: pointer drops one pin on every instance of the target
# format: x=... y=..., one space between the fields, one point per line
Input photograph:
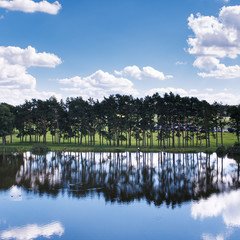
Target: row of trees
x=119 y=120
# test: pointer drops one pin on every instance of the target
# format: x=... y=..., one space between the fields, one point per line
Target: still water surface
x=119 y=196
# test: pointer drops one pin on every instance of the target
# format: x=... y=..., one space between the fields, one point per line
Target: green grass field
x=228 y=139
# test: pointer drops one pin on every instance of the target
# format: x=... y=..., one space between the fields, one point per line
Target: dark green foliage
x=221 y=151
x=6 y=121
x=234 y=112
x=235 y=149
x=120 y=120
x=39 y=149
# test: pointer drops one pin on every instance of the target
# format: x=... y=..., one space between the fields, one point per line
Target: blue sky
x=94 y=48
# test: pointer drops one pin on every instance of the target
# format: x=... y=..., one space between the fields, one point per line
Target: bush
x=221 y=151
x=39 y=149
x=236 y=144
x=235 y=149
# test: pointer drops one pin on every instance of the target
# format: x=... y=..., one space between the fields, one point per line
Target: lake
x=119 y=196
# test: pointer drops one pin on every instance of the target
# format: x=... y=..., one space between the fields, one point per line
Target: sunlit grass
x=228 y=139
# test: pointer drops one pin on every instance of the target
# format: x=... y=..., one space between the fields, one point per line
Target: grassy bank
x=23 y=147
x=17 y=146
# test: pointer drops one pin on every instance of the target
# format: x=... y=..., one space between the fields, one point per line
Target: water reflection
x=33 y=231
x=9 y=166
x=221 y=236
x=225 y=205
x=15 y=193
x=123 y=177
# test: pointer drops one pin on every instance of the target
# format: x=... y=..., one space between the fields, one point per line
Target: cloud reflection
x=33 y=231
x=210 y=237
x=15 y=193
x=225 y=205
x=222 y=236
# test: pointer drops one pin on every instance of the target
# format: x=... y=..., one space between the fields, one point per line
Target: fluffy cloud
x=208 y=94
x=18 y=96
x=14 y=62
x=162 y=91
x=97 y=85
x=100 y=84
x=14 y=78
x=33 y=231
x=206 y=63
x=225 y=205
x=30 y=6
x=211 y=237
x=223 y=72
x=216 y=38
x=28 y=57
x=147 y=72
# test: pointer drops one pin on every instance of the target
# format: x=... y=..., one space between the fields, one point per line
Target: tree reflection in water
x=121 y=177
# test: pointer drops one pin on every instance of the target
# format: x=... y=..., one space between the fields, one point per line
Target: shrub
x=39 y=149
x=221 y=151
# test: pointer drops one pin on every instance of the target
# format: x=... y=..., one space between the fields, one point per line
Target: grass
x=228 y=138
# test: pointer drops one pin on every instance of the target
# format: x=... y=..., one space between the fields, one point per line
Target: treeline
x=121 y=120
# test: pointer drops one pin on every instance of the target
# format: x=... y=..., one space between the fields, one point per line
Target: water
x=119 y=196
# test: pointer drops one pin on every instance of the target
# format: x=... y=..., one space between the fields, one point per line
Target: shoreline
x=25 y=147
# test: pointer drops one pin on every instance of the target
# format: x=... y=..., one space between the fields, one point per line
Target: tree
x=6 y=122
x=235 y=119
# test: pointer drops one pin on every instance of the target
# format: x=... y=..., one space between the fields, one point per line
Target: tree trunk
x=173 y=134
x=4 y=140
x=129 y=136
x=216 y=136
x=221 y=136
x=30 y=130
x=206 y=135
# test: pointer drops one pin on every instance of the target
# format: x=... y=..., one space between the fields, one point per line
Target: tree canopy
x=6 y=121
x=118 y=120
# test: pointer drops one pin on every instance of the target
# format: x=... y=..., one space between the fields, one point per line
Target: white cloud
x=28 y=57
x=181 y=63
x=225 y=205
x=216 y=38
x=33 y=231
x=14 y=62
x=162 y=91
x=223 y=72
x=193 y=91
x=15 y=76
x=98 y=85
x=210 y=237
x=147 y=72
x=206 y=63
x=225 y=98
x=15 y=96
x=130 y=71
x=15 y=193
x=86 y=88
x=150 y=72
x=208 y=95
x=209 y=89
x=30 y=6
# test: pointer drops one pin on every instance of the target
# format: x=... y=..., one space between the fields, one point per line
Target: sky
x=94 y=48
